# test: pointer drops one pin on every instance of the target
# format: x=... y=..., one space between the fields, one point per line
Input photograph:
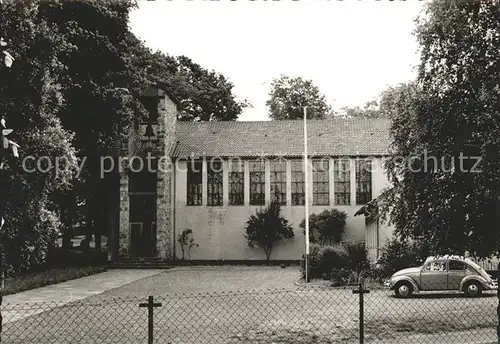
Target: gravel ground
x=207 y=305
x=209 y=279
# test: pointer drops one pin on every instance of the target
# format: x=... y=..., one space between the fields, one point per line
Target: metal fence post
x=151 y=305
x=361 y=291
x=498 y=306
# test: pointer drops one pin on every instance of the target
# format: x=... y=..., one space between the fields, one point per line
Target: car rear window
x=456 y=265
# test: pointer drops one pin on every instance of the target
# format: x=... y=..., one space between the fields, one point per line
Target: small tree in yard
x=326 y=227
x=266 y=228
x=187 y=241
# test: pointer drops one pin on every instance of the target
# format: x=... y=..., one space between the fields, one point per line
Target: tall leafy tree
x=203 y=95
x=96 y=108
x=370 y=109
x=376 y=108
x=289 y=95
x=451 y=112
x=30 y=94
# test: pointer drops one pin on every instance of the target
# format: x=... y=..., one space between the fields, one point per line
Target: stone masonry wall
x=126 y=150
x=124 y=215
x=164 y=215
x=167 y=118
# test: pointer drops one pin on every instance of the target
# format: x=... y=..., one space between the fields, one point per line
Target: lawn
x=208 y=305
x=40 y=279
x=62 y=265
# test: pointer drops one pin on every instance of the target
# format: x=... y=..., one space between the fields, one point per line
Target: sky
x=352 y=50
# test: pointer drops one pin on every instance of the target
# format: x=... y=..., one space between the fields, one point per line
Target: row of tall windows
x=278 y=180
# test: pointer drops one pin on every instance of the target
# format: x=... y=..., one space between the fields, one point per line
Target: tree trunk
x=68 y=213
x=89 y=223
x=102 y=211
x=66 y=228
x=92 y=198
x=113 y=201
x=98 y=234
x=268 y=253
x=98 y=222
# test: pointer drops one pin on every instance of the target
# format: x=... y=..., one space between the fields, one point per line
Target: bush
x=61 y=258
x=376 y=274
x=326 y=227
x=357 y=257
x=339 y=277
x=314 y=270
x=186 y=240
x=397 y=255
x=324 y=260
x=337 y=262
x=342 y=264
x=332 y=258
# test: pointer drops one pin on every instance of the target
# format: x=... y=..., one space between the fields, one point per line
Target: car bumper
x=492 y=287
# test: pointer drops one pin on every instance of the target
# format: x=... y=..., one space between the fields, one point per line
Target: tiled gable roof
x=332 y=137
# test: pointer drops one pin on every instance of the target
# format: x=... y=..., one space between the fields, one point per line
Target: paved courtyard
x=80 y=288
x=253 y=305
x=209 y=279
x=69 y=291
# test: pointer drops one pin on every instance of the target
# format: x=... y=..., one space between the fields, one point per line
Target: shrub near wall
x=357 y=257
x=332 y=258
x=314 y=269
x=337 y=262
x=333 y=264
x=327 y=227
x=324 y=260
x=397 y=255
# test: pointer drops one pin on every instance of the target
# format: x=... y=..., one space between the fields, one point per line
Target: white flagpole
x=306 y=194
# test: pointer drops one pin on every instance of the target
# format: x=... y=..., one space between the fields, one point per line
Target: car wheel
x=403 y=289
x=473 y=289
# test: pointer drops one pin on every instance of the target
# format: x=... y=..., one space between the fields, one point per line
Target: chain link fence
x=303 y=315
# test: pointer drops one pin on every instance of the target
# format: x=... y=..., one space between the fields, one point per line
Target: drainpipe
x=378 y=237
x=172 y=203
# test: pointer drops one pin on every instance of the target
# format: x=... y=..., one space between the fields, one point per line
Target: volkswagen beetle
x=452 y=273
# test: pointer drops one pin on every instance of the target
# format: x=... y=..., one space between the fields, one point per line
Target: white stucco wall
x=220 y=230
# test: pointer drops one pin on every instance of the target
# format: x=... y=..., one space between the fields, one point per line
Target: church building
x=210 y=177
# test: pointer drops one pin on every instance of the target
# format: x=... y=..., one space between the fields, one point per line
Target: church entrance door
x=142 y=224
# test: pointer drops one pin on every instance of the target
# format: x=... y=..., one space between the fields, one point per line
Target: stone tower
x=146 y=199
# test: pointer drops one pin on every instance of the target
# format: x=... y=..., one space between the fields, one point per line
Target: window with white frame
x=257 y=182
x=278 y=181
x=363 y=181
x=236 y=183
x=298 y=182
x=342 y=181
x=194 y=182
x=321 y=182
x=214 y=183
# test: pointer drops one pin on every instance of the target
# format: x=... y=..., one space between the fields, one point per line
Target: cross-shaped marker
x=361 y=291
x=151 y=306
